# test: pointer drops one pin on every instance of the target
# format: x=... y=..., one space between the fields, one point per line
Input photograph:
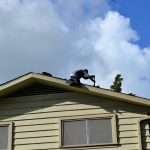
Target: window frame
x=99 y=116
x=9 y=125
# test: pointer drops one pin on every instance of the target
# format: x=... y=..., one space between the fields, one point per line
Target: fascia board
x=34 y=77
x=95 y=91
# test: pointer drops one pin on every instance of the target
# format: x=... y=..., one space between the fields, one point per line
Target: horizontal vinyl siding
x=36 y=119
x=45 y=146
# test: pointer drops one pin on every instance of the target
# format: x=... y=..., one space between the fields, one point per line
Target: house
x=39 y=112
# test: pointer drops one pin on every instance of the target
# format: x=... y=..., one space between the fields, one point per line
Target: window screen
x=3 y=137
x=87 y=131
x=74 y=133
x=99 y=131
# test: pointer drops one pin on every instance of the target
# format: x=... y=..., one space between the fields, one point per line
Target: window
x=5 y=135
x=88 y=131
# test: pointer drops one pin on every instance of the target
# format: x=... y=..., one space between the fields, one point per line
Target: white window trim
x=9 y=125
x=114 y=129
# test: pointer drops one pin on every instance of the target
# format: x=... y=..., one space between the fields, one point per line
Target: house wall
x=36 y=119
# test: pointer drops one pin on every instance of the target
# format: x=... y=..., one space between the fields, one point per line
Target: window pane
x=74 y=132
x=3 y=137
x=99 y=131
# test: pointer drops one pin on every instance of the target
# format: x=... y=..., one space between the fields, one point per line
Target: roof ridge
x=16 y=78
x=50 y=80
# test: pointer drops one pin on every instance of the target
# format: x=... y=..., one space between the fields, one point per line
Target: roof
x=29 y=78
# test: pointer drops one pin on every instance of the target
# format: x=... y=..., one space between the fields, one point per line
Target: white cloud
x=59 y=36
x=115 y=48
x=8 y=4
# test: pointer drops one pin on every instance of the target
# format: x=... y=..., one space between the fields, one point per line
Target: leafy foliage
x=117 y=83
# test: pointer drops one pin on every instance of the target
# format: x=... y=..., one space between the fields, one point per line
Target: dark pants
x=74 y=81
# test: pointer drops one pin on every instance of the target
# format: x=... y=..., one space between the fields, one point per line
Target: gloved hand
x=92 y=76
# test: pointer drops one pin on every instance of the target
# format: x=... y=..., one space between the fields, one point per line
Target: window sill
x=90 y=145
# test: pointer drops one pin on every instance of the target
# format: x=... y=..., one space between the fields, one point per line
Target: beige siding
x=36 y=119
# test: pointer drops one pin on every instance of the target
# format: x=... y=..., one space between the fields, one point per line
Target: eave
x=30 y=78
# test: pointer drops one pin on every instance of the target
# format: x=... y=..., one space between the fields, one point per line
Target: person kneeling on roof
x=78 y=74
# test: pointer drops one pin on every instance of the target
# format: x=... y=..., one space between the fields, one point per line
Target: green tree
x=117 y=83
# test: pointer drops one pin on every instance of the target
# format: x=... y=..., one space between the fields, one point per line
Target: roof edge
x=95 y=91
x=32 y=77
x=16 y=80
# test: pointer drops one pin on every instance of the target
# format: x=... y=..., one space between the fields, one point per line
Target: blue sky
x=138 y=11
x=60 y=36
